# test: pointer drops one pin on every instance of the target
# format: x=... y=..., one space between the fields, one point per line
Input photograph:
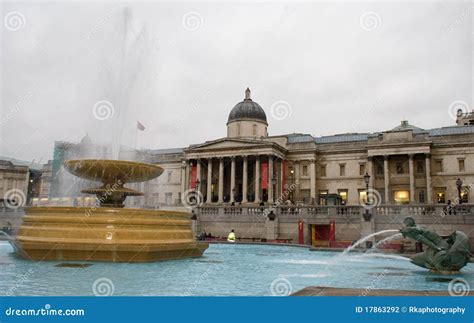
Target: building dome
x=247 y=110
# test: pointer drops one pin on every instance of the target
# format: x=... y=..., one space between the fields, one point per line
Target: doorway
x=320 y=235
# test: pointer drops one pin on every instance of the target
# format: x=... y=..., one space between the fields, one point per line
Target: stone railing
x=339 y=210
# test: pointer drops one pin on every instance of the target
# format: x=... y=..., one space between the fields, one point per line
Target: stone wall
x=350 y=223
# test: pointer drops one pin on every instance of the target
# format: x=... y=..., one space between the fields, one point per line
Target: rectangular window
x=305 y=170
x=438 y=166
x=343 y=194
x=362 y=169
x=420 y=169
x=322 y=195
x=401 y=197
x=362 y=196
x=379 y=169
x=168 y=197
x=421 y=196
x=464 y=195
x=400 y=169
x=461 y=165
x=440 y=195
x=342 y=170
x=169 y=177
x=322 y=170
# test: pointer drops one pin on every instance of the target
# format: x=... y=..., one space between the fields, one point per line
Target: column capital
x=245 y=157
x=385 y=157
x=411 y=156
x=427 y=155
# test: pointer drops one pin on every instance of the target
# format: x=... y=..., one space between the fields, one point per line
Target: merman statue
x=445 y=255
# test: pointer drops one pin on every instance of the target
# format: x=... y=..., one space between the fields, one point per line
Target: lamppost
x=459 y=185
x=273 y=188
x=367 y=215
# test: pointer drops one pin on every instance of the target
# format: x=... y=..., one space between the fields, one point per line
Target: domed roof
x=247 y=109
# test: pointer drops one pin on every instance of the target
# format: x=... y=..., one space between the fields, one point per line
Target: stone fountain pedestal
x=105 y=233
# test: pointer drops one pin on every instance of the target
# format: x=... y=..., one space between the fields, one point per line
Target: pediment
x=227 y=143
x=234 y=146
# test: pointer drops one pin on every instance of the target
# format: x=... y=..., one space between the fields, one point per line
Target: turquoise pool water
x=223 y=271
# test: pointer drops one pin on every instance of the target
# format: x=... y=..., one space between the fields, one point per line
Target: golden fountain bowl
x=110 y=232
x=109 y=171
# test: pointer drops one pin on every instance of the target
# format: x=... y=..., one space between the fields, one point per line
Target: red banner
x=193 y=177
x=264 y=176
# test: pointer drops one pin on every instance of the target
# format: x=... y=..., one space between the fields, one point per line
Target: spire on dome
x=247 y=94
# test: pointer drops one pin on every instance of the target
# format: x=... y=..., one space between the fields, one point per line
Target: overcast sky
x=71 y=69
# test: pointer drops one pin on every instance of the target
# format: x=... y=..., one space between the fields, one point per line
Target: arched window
x=254 y=130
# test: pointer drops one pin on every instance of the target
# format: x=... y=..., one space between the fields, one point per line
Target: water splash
x=382 y=242
x=383 y=255
x=364 y=239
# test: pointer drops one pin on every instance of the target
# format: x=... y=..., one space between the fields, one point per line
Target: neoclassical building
x=406 y=165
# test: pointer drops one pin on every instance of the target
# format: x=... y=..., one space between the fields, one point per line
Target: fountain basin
x=226 y=270
x=105 y=234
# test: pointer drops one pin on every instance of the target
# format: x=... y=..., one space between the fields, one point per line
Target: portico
x=225 y=175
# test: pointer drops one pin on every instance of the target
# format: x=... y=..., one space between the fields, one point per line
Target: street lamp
x=273 y=188
x=459 y=185
x=367 y=215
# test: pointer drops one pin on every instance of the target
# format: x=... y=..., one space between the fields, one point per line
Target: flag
x=140 y=126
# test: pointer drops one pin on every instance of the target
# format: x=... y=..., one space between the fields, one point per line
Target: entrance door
x=320 y=234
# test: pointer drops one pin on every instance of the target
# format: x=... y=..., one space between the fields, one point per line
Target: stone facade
x=14 y=180
x=406 y=165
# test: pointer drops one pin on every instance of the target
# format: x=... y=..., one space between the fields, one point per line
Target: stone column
x=370 y=171
x=386 y=179
x=221 y=180
x=312 y=174
x=183 y=177
x=270 y=177
x=186 y=175
x=412 y=178
x=257 y=179
x=278 y=192
x=232 y=179
x=282 y=180
x=198 y=174
x=209 y=181
x=429 y=192
x=245 y=177
x=297 y=180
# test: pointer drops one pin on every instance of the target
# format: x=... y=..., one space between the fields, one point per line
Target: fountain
x=109 y=232
x=444 y=255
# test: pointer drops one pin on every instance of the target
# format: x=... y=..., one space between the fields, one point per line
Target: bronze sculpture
x=446 y=255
